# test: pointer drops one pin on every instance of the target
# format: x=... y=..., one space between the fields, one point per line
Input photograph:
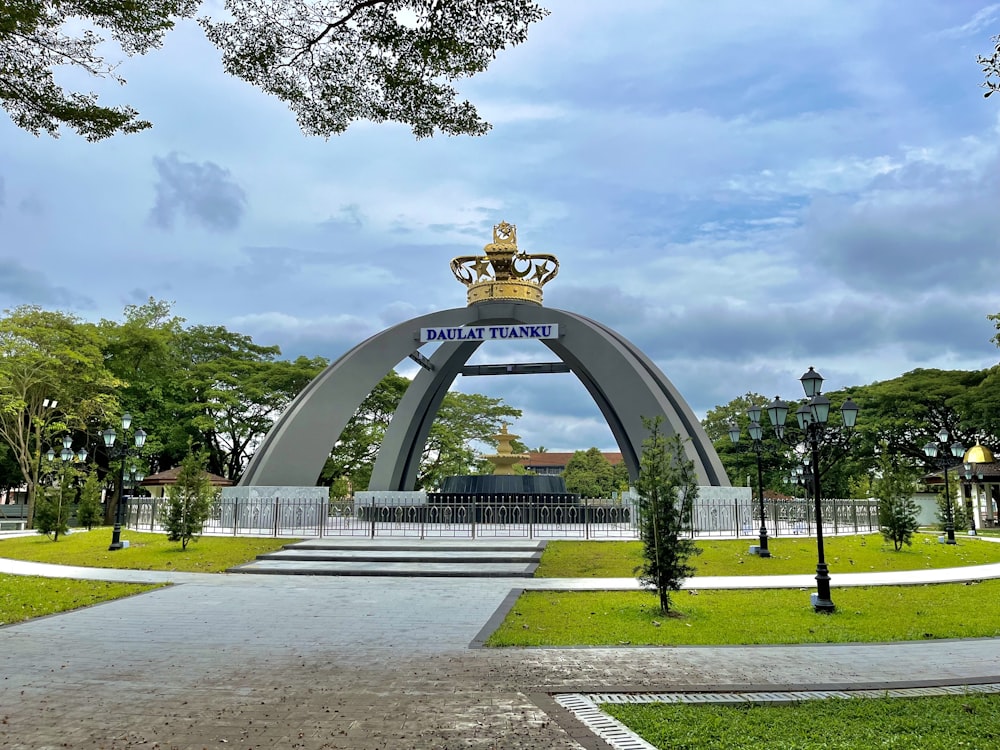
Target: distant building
x=555 y=463
x=976 y=482
x=157 y=484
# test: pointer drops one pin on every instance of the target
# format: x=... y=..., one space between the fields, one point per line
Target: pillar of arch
x=624 y=383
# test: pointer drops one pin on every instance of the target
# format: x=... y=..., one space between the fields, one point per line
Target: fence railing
x=502 y=516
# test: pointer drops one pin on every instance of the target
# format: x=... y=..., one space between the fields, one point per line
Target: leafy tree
x=52 y=379
x=668 y=486
x=339 y=61
x=234 y=391
x=861 y=486
x=991 y=69
x=201 y=384
x=143 y=352
x=88 y=510
x=10 y=472
x=189 y=501
x=37 y=36
x=978 y=407
x=897 y=511
x=903 y=413
x=590 y=474
x=332 y=62
x=739 y=460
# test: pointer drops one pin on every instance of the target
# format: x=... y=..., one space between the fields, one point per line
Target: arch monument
x=504 y=288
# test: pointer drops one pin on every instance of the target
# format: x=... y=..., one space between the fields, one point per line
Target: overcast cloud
x=742 y=189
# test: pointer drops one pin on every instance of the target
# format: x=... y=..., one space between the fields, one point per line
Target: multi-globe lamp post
x=756 y=436
x=123 y=451
x=66 y=455
x=813 y=418
x=942 y=461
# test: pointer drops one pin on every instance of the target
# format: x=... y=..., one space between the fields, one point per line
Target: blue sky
x=742 y=189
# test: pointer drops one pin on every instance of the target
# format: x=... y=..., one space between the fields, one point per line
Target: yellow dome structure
x=979 y=454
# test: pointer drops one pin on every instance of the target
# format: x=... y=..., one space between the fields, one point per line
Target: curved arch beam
x=295 y=449
x=398 y=459
x=624 y=383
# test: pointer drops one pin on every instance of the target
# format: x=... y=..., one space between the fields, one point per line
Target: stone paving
x=332 y=662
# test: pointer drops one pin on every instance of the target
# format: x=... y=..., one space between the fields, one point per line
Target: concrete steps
x=401 y=557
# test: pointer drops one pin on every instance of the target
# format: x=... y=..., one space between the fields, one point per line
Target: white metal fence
x=505 y=516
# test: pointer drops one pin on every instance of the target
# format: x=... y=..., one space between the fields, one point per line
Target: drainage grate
x=608 y=729
x=620 y=737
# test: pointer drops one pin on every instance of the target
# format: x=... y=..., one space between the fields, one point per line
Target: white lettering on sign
x=490 y=333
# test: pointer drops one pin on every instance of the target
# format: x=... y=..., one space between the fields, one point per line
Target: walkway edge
x=897 y=578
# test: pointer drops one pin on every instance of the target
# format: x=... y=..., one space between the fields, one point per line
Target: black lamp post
x=123 y=451
x=942 y=461
x=813 y=418
x=972 y=472
x=756 y=434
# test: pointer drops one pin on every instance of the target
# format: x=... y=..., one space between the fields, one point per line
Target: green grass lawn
x=789 y=555
x=25 y=597
x=761 y=616
x=210 y=554
x=923 y=723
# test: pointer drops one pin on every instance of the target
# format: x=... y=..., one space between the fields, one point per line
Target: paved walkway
x=309 y=662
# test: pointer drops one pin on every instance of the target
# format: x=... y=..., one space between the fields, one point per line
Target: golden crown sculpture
x=505 y=273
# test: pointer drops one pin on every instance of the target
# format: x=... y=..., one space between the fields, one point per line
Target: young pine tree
x=88 y=511
x=667 y=488
x=189 y=502
x=897 y=511
x=53 y=508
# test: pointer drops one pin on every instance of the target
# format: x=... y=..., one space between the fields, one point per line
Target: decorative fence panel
x=504 y=516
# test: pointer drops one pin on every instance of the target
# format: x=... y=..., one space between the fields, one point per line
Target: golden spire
x=505 y=273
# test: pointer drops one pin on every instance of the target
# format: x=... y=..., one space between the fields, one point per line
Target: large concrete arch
x=624 y=383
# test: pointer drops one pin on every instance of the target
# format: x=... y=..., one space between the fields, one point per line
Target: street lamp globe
x=849 y=411
x=812 y=383
x=777 y=412
x=819 y=409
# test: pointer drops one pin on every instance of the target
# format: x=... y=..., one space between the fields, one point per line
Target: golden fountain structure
x=504 y=460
